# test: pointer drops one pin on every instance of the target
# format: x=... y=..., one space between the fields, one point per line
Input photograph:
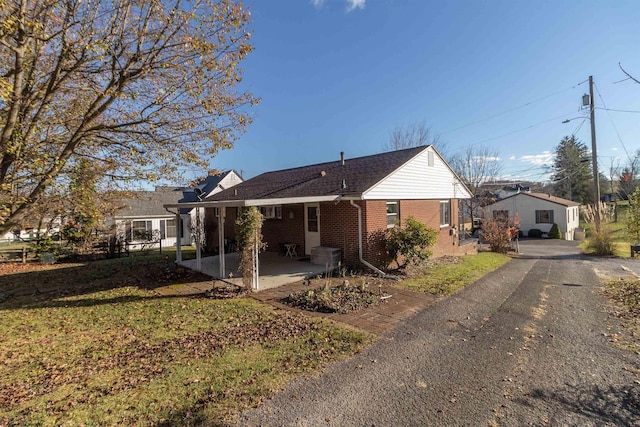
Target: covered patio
x=274 y=270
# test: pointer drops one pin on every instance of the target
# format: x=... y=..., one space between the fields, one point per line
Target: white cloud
x=354 y=4
x=351 y=4
x=544 y=159
x=614 y=149
x=512 y=158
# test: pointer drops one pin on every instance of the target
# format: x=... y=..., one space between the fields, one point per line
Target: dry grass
x=625 y=295
x=99 y=347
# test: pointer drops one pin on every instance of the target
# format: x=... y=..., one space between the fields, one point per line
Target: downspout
x=362 y=260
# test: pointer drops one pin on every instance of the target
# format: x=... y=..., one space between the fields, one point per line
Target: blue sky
x=339 y=75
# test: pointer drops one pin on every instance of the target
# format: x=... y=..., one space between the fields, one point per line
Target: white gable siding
x=228 y=181
x=417 y=180
x=526 y=206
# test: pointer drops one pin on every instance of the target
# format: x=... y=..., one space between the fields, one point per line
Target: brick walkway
x=378 y=319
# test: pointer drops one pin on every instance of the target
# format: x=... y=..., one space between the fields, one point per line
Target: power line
x=511 y=109
x=618 y=111
x=519 y=130
x=612 y=123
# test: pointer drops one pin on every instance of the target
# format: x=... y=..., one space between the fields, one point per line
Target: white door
x=311 y=226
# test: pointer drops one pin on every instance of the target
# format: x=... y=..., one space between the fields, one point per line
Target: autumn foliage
x=499 y=233
x=137 y=88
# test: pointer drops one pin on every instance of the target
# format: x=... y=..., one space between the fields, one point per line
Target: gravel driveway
x=529 y=344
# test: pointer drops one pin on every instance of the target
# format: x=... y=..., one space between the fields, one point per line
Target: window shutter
x=551 y=221
x=163 y=234
x=537 y=217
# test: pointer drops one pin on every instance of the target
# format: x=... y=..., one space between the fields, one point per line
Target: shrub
x=633 y=215
x=412 y=241
x=534 y=232
x=554 y=233
x=499 y=233
x=600 y=242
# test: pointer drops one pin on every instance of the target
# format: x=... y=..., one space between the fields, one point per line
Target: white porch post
x=221 y=217
x=179 y=238
x=256 y=266
x=198 y=235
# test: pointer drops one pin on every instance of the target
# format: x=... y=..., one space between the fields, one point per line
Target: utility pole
x=594 y=156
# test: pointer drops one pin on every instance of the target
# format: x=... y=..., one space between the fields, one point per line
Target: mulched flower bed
x=341 y=298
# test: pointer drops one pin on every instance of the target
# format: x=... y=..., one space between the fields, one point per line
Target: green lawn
x=448 y=278
x=101 y=348
x=92 y=344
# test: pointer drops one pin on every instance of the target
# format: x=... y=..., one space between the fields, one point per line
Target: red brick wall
x=285 y=230
x=339 y=229
x=425 y=211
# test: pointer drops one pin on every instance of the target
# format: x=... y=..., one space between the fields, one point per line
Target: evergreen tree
x=571 y=173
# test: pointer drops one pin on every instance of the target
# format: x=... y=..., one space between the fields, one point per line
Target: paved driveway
x=529 y=344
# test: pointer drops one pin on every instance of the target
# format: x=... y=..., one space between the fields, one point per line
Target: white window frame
x=393 y=217
x=445 y=213
x=549 y=219
x=271 y=212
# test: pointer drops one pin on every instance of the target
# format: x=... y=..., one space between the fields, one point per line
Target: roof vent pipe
x=342 y=158
x=343 y=185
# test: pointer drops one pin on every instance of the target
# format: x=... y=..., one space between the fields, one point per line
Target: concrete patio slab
x=274 y=270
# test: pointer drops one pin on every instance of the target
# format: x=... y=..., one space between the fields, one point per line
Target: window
x=501 y=216
x=167 y=228
x=139 y=230
x=393 y=213
x=171 y=228
x=445 y=213
x=271 y=212
x=544 y=217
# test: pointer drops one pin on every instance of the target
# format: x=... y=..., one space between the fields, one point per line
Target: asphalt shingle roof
x=548 y=198
x=321 y=179
x=149 y=203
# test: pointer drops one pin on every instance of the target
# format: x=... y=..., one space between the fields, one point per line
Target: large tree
x=139 y=88
x=476 y=165
x=571 y=173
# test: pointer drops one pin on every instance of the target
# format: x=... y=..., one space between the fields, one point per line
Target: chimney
x=342 y=158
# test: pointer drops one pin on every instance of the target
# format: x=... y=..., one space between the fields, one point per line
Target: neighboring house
x=212 y=184
x=349 y=204
x=28 y=232
x=538 y=211
x=509 y=190
x=144 y=215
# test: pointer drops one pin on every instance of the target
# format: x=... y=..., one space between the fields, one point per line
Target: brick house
x=348 y=204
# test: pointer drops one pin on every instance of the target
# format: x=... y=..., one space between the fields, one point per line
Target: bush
x=534 y=232
x=600 y=242
x=499 y=234
x=412 y=241
x=554 y=233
